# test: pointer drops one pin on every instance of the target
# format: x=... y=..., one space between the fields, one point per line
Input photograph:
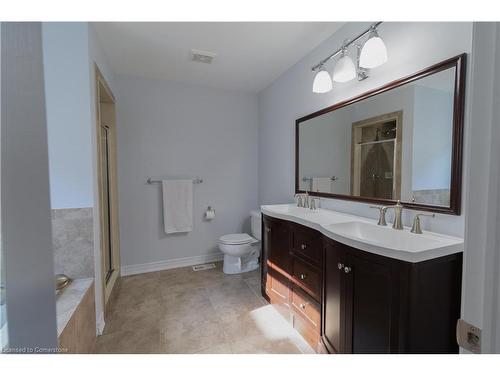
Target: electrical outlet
x=468 y=336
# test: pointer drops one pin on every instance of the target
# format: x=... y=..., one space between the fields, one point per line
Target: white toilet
x=241 y=251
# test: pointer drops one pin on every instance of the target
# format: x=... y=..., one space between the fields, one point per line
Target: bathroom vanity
x=348 y=285
x=354 y=285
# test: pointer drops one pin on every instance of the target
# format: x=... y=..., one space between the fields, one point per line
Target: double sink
x=365 y=234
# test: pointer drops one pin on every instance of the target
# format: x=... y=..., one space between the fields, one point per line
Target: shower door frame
x=108 y=197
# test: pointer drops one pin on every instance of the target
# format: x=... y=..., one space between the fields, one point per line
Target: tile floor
x=182 y=311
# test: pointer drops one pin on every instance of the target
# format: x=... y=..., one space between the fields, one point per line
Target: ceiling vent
x=202 y=56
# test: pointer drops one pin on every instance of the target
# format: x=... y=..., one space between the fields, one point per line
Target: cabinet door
x=370 y=306
x=332 y=332
x=278 y=246
x=278 y=289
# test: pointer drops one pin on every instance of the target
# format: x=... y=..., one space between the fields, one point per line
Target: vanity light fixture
x=322 y=81
x=344 y=70
x=374 y=52
x=371 y=54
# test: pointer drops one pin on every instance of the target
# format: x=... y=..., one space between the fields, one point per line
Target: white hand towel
x=322 y=184
x=177 y=205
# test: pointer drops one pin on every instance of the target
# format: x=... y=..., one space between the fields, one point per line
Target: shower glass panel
x=377 y=170
x=108 y=253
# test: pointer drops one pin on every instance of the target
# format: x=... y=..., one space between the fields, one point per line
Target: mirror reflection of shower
x=376 y=162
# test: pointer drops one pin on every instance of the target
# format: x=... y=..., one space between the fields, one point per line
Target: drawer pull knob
x=268 y=230
x=340 y=266
x=347 y=269
x=302 y=276
x=303 y=246
x=302 y=306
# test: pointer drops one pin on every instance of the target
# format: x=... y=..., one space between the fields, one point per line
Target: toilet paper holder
x=210 y=213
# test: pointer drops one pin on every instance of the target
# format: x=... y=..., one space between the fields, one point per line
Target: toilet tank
x=255 y=219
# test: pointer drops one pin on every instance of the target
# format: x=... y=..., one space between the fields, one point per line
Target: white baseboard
x=135 y=269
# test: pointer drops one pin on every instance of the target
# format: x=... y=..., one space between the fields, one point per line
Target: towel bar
x=152 y=180
x=333 y=178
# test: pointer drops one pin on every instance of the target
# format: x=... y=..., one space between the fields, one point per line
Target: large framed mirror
x=402 y=141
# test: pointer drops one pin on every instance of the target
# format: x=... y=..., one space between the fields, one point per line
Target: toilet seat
x=236 y=239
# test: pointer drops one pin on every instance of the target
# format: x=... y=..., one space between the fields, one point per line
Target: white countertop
x=364 y=234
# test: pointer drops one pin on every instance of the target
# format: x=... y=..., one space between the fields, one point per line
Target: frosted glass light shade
x=344 y=70
x=374 y=52
x=322 y=82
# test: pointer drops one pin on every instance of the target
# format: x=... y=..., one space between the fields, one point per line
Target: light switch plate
x=468 y=336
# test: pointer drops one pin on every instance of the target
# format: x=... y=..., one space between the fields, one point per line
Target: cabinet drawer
x=307 y=276
x=307 y=244
x=307 y=308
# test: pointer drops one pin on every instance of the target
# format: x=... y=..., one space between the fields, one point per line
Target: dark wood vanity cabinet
x=344 y=300
x=332 y=331
x=375 y=304
x=361 y=302
x=276 y=264
x=292 y=274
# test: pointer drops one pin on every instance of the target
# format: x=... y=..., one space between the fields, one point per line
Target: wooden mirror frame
x=457 y=62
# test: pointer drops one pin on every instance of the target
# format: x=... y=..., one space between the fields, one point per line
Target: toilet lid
x=236 y=239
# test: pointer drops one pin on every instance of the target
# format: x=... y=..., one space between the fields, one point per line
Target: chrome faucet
x=381 y=216
x=306 y=201
x=299 y=200
x=398 y=210
x=416 y=223
x=312 y=203
x=302 y=200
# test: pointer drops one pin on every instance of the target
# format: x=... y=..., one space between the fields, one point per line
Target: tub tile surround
x=433 y=196
x=183 y=311
x=73 y=251
x=73 y=242
x=68 y=299
x=76 y=324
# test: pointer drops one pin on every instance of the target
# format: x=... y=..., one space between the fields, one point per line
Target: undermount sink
x=387 y=237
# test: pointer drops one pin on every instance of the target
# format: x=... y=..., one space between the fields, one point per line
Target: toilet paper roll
x=210 y=213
